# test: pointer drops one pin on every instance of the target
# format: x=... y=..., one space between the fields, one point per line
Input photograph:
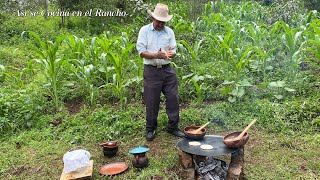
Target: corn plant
x=15 y=74
x=120 y=60
x=117 y=78
x=315 y=41
x=193 y=50
x=212 y=23
x=312 y=15
x=265 y=58
x=77 y=46
x=290 y=39
x=239 y=62
x=115 y=61
x=225 y=46
x=266 y=46
x=94 y=55
x=3 y=73
x=105 y=43
x=86 y=74
x=83 y=71
x=135 y=83
x=257 y=34
x=198 y=82
x=182 y=26
x=51 y=63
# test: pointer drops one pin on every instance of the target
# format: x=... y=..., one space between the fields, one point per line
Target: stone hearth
x=197 y=167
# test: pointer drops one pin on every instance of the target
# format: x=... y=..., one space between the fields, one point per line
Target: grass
x=275 y=156
x=38 y=153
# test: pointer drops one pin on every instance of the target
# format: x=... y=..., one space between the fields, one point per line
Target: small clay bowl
x=194 y=136
x=238 y=143
x=110 y=144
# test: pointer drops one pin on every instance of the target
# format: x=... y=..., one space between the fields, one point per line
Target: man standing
x=156 y=44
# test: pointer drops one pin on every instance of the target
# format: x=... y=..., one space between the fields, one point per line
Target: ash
x=212 y=169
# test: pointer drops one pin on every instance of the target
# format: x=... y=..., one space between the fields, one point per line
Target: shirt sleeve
x=172 y=43
x=142 y=40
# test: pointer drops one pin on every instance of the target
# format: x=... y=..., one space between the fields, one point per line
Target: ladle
x=198 y=131
x=243 y=132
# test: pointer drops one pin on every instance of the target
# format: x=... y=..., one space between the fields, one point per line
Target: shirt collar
x=153 y=29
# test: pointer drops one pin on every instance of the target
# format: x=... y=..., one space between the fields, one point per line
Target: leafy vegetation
x=235 y=61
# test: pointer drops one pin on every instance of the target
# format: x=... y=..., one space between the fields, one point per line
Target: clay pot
x=110 y=148
x=194 y=136
x=140 y=160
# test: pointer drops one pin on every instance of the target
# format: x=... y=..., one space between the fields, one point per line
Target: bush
x=20 y=109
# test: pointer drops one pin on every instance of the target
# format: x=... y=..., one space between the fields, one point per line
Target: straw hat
x=161 y=13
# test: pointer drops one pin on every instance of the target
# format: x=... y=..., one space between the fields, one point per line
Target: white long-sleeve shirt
x=151 y=40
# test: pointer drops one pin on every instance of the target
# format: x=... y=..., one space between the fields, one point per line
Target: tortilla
x=206 y=147
x=194 y=143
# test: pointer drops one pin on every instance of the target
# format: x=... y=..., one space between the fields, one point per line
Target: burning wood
x=212 y=169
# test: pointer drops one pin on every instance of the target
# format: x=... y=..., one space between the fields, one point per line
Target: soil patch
x=74 y=106
x=17 y=171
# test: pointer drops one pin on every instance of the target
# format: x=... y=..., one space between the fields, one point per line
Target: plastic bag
x=76 y=159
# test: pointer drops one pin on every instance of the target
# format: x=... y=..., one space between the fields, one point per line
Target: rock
x=236 y=166
x=185 y=160
x=188 y=174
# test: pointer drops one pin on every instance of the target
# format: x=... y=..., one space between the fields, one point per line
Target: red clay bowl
x=238 y=143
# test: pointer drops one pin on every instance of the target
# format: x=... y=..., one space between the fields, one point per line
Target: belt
x=158 y=66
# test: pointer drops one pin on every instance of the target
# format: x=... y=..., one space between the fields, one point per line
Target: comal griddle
x=219 y=148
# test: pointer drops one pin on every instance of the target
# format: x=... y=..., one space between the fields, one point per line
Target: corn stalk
x=315 y=41
x=290 y=39
x=105 y=44
x=120 y=59
x=50 y=62
x=193 y=50
x=83 y=71
x=198 y=82
x=3 y=73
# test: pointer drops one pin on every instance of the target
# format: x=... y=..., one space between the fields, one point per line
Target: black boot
x=150 y=135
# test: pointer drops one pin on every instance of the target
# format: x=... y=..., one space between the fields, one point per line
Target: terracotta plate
x=113 y=168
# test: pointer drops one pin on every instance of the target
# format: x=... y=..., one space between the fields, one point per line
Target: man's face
x=158 y=25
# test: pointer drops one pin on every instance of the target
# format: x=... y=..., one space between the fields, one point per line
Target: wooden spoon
x=242 y=134
x=198 y=131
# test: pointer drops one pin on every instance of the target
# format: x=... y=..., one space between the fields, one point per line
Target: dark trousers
x=157 y=80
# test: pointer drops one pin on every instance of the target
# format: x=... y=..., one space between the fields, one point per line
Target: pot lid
x=139 y=150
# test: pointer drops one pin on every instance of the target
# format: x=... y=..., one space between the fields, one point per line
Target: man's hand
x=168 y=54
